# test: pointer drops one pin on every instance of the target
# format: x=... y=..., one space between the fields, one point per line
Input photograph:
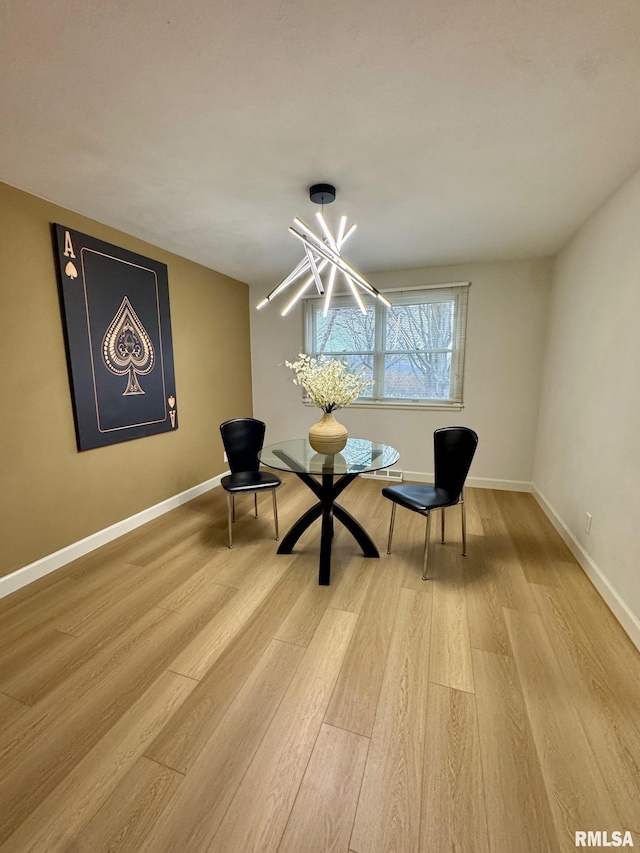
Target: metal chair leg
x=442 y=525
x=463 y=511
x=391 y=523
x=255 y=502
x=233 y=507
x=275 y=513
x=426 y=548
x=230 y=517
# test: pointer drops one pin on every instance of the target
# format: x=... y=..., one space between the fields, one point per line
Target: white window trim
x=457 y=360
x=394 y=403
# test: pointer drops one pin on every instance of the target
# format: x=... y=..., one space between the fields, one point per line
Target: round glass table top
x=358 y=457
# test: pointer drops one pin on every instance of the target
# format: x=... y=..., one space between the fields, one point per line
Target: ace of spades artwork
x=118 y=328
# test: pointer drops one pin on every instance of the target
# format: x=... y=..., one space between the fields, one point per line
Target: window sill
x=397 y=404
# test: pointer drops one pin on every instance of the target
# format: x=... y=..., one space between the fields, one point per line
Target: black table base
x=327 y=490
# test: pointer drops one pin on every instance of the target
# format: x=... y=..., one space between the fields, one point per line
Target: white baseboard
x=474 y=482
x=385 y=475
x=27 y=574
x=618 y=607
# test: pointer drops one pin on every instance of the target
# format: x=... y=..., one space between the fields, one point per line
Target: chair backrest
x=243 y=439
x=453 y=450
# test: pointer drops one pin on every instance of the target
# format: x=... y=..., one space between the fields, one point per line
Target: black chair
x=453 y=450
x=243 y=439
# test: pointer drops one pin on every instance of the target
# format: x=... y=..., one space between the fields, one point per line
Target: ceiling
x=453 y=131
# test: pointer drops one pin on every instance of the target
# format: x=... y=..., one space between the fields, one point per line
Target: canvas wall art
x=118 y=331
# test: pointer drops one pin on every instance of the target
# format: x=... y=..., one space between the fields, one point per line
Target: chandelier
x=323 y=255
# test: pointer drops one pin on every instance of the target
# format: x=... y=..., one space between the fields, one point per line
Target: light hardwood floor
x=167 y=694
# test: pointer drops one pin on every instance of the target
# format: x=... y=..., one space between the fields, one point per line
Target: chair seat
x=420 y=498
x=249 y=481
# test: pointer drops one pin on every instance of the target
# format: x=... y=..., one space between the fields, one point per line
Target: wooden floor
x=168 y=694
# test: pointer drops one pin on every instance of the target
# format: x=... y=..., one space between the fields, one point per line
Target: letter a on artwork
x=68 y=246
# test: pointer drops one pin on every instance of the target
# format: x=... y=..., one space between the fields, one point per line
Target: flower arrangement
x=328 y=382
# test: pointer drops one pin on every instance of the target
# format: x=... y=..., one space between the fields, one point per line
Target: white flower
x=328 y=382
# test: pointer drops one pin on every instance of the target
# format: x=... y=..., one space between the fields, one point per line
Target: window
x=413 y=351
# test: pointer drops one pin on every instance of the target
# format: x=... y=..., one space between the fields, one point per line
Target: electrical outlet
x=224 y=457
x=587 y=521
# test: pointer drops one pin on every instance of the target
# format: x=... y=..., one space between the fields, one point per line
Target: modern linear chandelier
x=322 y=253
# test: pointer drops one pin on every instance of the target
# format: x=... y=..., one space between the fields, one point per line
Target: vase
x=328 y=436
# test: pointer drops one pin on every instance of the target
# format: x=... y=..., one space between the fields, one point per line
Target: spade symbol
x=127 y=348
x=71 y=270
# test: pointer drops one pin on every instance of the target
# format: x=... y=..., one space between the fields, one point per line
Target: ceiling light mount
x=321 y=252
x=322 y=193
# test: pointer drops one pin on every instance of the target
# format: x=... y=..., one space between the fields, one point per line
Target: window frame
x=458 y=292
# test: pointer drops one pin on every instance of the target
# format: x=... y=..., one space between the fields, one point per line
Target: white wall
x=508 y=306
x=588 y=450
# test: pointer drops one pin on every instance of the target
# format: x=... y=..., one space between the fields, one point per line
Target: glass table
x=334 y=473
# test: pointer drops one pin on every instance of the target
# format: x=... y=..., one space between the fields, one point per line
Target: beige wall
x=588 y=453
x=52 y=495
x=508 y=305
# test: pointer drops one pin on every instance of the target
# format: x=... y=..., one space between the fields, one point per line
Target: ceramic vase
x=328 y=435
